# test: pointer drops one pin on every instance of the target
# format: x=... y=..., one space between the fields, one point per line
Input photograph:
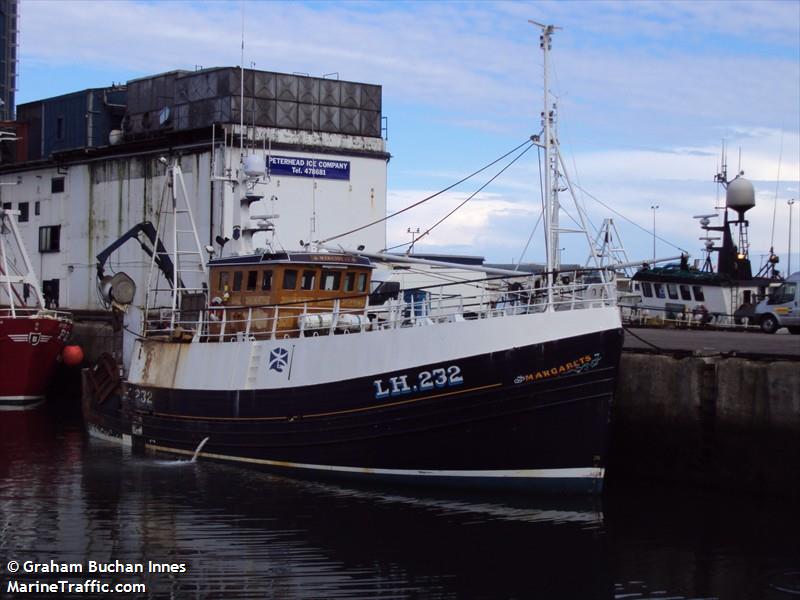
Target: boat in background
x=723 y=296
x=32 y=336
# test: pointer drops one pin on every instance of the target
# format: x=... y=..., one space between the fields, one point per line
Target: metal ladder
x=188 y=256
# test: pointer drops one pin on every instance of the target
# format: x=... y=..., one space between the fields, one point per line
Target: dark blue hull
x=533 y=417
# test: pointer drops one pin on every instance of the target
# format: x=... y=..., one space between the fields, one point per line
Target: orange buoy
x=72 y=355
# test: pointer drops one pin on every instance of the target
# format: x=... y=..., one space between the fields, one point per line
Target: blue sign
x=320 y=168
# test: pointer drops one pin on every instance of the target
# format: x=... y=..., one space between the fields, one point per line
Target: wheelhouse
x=268 y=293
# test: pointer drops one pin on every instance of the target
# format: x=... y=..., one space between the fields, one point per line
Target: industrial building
x=87 y=166
x=9 y=41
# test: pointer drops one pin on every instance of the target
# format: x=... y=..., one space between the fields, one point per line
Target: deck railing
x=303 y=319
x=33 y=313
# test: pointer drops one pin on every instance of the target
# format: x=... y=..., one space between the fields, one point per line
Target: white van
x=781 y=308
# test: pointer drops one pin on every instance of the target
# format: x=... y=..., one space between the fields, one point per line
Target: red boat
x=31 y=335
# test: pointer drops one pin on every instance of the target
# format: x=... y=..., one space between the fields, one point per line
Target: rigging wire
x=634 y=223
x=775 y=203
x=471 y=196
x=541 y=212
x=432 y=196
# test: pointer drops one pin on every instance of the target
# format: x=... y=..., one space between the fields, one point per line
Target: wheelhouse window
x=24 y=212
x=685 y=293
x=659 y=287
x=289 y=279
x=672 y=290
x=252 y=280
x=362 y=282
x=237 y=281
x=349 y=281
x=266 y=281
x=647 y=289
x=330 y=281
x=224 y=280
x=50 y=238
x=309 y=277
x=697 y=290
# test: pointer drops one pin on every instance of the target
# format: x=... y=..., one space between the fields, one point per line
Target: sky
x=647 y=94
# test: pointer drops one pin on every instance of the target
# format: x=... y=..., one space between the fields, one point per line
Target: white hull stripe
x=588 y=473
x=576 y=473
x=30 y=402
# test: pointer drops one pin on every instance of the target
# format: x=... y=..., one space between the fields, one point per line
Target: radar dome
x=740 y=196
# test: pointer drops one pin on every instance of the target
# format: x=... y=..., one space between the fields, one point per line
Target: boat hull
x=533 y=416
x=29 y=347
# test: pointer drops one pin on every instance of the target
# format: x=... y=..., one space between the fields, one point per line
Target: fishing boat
x=724 y=295
x=294 y=362
x=32 y=336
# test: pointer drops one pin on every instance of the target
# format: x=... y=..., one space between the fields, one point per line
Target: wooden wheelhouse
x=271 y=294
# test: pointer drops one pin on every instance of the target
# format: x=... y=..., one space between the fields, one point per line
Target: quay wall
x=712 y=421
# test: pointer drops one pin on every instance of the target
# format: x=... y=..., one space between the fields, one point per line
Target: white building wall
x=313 y=209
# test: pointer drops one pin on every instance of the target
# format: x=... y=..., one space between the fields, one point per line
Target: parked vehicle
x=781 y=308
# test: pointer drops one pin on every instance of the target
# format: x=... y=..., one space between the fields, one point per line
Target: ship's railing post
x=249 y=320
x=334 y=317
x=274 y=322
x=222 y=325
x=302 y=319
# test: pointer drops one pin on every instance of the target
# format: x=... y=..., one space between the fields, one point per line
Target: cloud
x=647 y=91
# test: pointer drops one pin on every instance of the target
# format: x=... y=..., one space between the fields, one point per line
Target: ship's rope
x=470 y=197
x=775 y=202
x=641 y=339
x=541 y=212
x=634 y=223
x=427 y=198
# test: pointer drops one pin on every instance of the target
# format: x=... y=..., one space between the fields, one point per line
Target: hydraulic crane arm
x=162 y=259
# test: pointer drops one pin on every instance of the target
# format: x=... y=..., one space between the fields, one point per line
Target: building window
x=289 y=279
x=36 y=208
x=24 y=211
x=266 y=282
x=50 y=238
x=50 y=291
x=56 y=185
x=647 y=289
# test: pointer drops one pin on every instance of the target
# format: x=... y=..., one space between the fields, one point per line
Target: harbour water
x=231 y=532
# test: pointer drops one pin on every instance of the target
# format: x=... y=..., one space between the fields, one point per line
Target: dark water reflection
x=246 y=534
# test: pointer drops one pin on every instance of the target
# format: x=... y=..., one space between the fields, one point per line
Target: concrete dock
x=714 y=409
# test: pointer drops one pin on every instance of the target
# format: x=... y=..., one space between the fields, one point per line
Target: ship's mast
x=555 y=170
x=551 y=207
